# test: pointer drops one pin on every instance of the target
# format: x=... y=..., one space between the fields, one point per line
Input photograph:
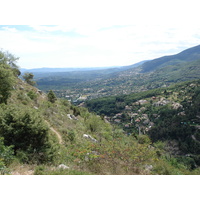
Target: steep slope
x=187 y=55
x=41 y=137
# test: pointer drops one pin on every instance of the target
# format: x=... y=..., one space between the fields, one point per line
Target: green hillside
x=187 y=55
x=170 y=115
x=41 y=134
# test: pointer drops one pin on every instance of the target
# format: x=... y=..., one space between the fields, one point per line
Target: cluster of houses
x=135 y=115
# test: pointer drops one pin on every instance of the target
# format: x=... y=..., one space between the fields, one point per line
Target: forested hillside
x=42 y=134
x=170 y=115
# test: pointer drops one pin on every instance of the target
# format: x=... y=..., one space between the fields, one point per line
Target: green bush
x=26 y=131
x=32 y=95
x=51 y=96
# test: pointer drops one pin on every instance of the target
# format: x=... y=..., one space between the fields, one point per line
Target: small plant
x=32 y=95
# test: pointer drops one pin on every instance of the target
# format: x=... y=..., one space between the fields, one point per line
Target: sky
x=91 y=33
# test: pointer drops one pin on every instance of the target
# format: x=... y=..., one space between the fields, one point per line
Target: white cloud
x=100 y=33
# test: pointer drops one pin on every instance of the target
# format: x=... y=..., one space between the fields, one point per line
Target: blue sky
x=97 y=33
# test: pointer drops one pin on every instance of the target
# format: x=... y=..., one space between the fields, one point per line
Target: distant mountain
x=142 y=76
x=60 y=70
x=187 y=55
x=59 y=77
x=53 y=70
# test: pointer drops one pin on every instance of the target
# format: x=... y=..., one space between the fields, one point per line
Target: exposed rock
x=69 y=116
x=148 y=168
x=62 y=166
x=72 y=117
x=89 y=137
x=39 y=91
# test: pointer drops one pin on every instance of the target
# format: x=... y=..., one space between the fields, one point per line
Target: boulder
x=148 y=168
x=62 y=166
x=89 y=137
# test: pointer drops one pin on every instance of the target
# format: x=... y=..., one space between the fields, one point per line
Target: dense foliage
x=26 y=131
x=6 y=77
x=177 y=126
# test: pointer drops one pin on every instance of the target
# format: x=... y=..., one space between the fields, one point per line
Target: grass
x=43 y=170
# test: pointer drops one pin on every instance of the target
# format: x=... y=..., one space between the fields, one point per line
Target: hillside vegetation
x=169 y=115
x=42 y=134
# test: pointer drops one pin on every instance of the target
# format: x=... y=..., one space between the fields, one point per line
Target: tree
x=28 y=77
x=6 y=84
x=7 y=60
x=6 y=76
x=51 y=96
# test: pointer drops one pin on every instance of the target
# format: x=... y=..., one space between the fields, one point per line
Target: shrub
x=32 y=95
x=26 y=131
x=51 y=96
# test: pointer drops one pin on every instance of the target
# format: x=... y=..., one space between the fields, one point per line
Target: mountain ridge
x=184 y=56
x=128 y=79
